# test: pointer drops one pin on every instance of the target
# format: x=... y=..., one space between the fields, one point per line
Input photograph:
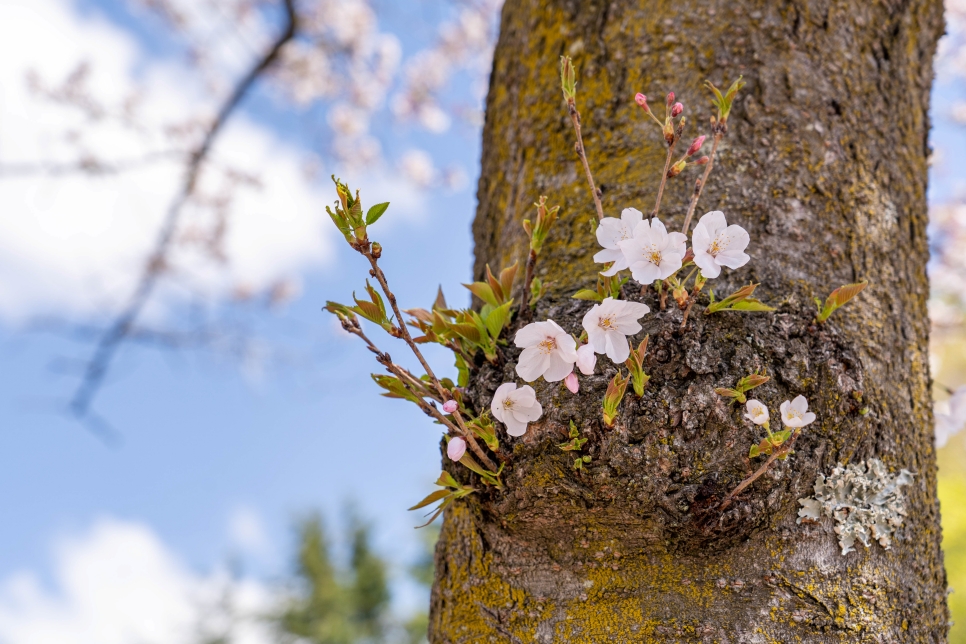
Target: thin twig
x=777 y=452
x=575 y=118
x=524 y=314
x=660 y=190
x=117 y=332
x=699 y=187
x=406 y=377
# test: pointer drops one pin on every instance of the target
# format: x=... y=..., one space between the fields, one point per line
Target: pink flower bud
x=696 y=145
x=670 y=99
x=456 y=448
x=702 y=161
x=676 y=110
x=450 y=406
x=571 y=382
x=641 y=100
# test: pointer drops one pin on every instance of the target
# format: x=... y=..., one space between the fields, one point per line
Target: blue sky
x=202 y=440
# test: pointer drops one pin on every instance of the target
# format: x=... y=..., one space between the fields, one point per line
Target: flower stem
x=381 y=277
x=660 y=190
x=575 y=118
x=699 y=185
x=524 y=314
x=784 y=449
x=407 y=379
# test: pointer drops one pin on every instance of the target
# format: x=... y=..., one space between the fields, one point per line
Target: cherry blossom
x=548 y=351
x=456 y=448
x=952 y=422
x=609 y=323
x=586 y=359
x=450 y=406
x=756 y=412
x=653 y=253
x=795 y=413
x=610 y=233
x=515 y=408
x=717 y=244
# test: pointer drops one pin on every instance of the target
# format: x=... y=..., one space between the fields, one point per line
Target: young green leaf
x=587 y=294
x=839 y=297
x=432 y=498
x=374 y=213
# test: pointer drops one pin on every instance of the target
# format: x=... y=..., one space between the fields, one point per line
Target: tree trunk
x=825 y=164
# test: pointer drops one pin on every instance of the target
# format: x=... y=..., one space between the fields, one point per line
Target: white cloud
x=73 y=245
x=119 y=584
x=247 y=531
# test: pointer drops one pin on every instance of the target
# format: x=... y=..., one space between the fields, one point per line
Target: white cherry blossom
x=586 y=359
x=948 y=424
x=456 y=448
x=515 y=408
x=756 y=412
x=610 y=233
x=548 y=351
x=654 y=253
x=795 y=413
x=609 y=323
x=717 y=244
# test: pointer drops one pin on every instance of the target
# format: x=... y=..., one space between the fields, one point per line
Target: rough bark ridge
x=825 y=165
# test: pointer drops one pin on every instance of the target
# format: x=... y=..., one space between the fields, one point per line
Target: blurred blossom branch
x=118 y=331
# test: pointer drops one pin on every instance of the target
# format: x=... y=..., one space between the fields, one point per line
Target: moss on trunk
x=825 y=165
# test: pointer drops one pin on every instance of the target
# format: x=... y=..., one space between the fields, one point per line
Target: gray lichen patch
x=864 y=499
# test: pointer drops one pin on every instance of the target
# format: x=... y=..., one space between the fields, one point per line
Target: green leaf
x=432 y=498
x=374 y=213
x=839 y=297
x=751 y=304
x=497 y=319
x=483 y=291
x=754 y=451
x=446 y=479
x=506 y=278
x=587 y=294
x=468 y=331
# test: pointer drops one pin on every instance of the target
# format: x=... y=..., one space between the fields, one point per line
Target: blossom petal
x=618 y=348
x=808 y=418
x=502 y=393
x=731 y=259
x=645 y=272
x=532 y=364
x=558 y=368
x=630 y=217
x=586 y=359
x=735 y=238
x=800 y=404
x=525 y=396
x=609 y=232
x=529 y=413
x=531 y=334
x=700 y=238
x=709 y=268
x=515 y=427
x=713 y=222
x=675 y=240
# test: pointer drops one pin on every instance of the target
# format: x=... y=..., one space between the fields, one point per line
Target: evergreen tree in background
x=330 y=606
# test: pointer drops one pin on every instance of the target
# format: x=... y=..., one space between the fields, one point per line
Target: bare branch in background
x=118 y=331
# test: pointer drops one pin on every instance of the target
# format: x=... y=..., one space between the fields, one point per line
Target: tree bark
x=825 y=164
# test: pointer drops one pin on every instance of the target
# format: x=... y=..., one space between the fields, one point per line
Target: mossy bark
x=825 y=164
